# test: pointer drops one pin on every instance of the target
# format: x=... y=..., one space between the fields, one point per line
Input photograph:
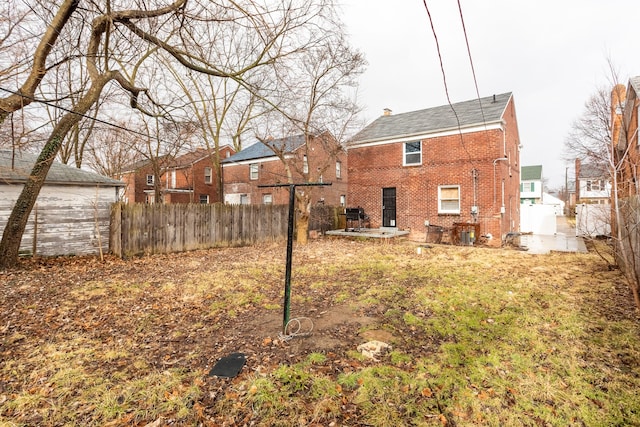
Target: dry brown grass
x=480 y=337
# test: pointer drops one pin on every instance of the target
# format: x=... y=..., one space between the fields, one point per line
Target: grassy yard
x=478 y=336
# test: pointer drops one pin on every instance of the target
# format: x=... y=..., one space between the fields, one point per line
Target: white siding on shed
x=71 y=219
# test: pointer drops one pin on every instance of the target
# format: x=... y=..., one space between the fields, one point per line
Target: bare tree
x=595 y=137
x=317 y=100
x=110 y=150
x=118 y=38
x=221 y=109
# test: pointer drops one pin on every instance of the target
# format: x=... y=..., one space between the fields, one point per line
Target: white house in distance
x=536 y=216
x=593 y=185
x=531 y=191
x=71 y=215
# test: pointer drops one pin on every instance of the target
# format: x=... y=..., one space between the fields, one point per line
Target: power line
x=473 y=69
x=50 y=104
x=446 y=88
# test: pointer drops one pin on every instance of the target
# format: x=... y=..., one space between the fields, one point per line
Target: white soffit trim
x=253 y=161
x=424 y=136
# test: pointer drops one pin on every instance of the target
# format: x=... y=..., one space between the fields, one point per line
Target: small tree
x=318 y=101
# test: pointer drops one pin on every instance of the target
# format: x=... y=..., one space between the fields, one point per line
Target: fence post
x=115 y=229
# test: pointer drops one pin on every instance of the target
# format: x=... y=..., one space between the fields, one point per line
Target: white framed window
x=528 y=187
x=208 y=176
x=267 y=199
x=150 y=179
x=343 y=200
x=204 y=199
x=594 y=185
x=412 y=153
x=449 y=199
x=305 y=164
x=253 y=171
x=338 y=170
x=173 y=178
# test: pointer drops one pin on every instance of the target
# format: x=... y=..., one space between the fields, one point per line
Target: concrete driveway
x=564 y=240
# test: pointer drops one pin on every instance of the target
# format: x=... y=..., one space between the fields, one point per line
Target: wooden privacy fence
x=164 y=228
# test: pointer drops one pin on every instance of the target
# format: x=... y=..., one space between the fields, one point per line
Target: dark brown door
x=389 y=207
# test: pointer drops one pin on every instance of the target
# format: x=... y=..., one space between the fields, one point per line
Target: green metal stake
x=287 y=274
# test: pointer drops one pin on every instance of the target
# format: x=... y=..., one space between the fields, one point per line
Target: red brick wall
x=446 y=160
x=236 y=177
x=136 y=184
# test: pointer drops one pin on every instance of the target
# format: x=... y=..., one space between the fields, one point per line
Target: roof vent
x=387 y=112
x=494 y=97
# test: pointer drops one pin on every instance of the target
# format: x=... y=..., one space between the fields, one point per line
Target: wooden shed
x=71 y=215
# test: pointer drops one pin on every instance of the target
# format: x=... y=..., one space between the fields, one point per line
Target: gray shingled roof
x=531 y=173
x=434 y=119
x=58 y=174
x=590 y=170
x=635 y=82
x=260 y=150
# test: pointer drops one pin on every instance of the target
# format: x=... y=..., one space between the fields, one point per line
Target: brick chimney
x=618 y=98
x=387 y=112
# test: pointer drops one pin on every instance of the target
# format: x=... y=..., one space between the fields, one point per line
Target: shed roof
x=260 y=150
x=436 y=119
x=531 y=173
x=16 y=166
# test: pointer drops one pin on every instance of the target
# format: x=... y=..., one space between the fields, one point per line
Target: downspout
x=494 y=178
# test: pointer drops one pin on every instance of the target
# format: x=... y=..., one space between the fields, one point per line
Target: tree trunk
x=17 y=222
x=302 y=221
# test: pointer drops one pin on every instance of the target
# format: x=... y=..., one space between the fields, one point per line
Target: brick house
x=139 y=180
x=314 y=159
x=443 y=166
x=625 y=137
x=190 y=178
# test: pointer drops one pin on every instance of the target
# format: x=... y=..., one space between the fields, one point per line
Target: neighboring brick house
x=139 y=181
x=318 y=159
x=531 y=185
x=625 y=137
x=440 y=166
x=190 y=178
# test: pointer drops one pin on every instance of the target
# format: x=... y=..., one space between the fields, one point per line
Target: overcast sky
x=552 y=55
